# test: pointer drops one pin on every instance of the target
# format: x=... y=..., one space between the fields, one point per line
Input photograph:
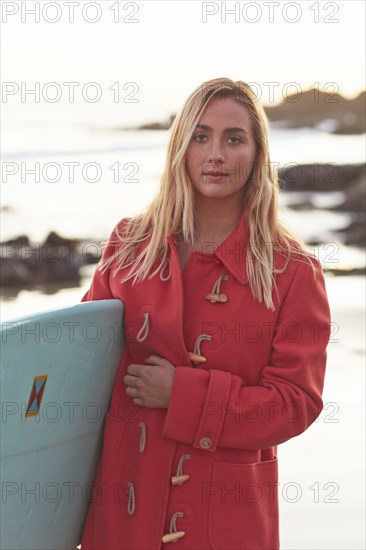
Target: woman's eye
x=235 y=139
x=200 y=137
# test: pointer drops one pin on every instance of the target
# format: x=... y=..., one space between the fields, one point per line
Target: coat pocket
x=243 y=506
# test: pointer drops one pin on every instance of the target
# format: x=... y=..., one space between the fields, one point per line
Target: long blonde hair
x=173 y=211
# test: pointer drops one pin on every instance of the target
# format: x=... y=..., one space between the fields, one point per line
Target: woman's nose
x=216 y=155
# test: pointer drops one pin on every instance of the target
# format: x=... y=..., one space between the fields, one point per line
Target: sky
x=154 y=53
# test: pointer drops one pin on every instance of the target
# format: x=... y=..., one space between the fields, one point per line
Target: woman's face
x=222 y=151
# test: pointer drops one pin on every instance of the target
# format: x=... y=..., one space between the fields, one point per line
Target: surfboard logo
x=36 y=394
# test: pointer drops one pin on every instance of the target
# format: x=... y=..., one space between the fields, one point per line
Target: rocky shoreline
x=58 y=261
x=328 y=111
x=350 y=179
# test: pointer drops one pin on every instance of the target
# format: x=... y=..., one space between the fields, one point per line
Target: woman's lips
x=214 y=176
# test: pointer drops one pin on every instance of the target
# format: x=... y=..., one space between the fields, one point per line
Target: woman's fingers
x=132 y=392
x=148 y=385
x=130 y=380
x=158 y=361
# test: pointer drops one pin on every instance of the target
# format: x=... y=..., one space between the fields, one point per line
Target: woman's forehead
x=222 y=111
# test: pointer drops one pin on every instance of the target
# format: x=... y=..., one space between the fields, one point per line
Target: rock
x=319 y=177
x=350 y=179
x=154 y=126
x=356 y=235
x=355 y=200
x=305 y=205
x=19 y=241
x=158 y=125
x=15 y=273
x=55 y=261
x=91 y=251
x=312 y=107
x=355 y=232
x=343 y=272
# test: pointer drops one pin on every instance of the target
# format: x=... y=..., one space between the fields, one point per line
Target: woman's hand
x=150 y=385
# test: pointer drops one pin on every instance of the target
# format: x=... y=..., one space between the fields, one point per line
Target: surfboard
x=56 y=379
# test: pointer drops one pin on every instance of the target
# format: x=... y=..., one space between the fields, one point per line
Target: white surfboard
x=57 y=374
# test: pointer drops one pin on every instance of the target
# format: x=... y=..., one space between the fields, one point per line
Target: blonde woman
x=227 y=323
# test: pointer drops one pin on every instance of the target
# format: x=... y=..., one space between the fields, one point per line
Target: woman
x=227 y=323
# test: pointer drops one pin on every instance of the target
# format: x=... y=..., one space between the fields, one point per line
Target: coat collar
x=232 y=251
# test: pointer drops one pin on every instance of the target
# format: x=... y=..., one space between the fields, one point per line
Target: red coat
x=260 y=386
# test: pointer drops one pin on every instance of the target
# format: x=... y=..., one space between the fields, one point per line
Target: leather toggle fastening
x=196 y=356
x=214 y=298
x=215 y=295
x=173 y=537
x=180 y=478
x=173 y=534
x=142 y=437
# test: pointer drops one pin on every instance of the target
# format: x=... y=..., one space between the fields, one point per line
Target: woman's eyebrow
x=235 y=130
x=227 y=130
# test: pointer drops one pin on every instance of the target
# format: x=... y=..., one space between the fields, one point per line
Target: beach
x=321 y=472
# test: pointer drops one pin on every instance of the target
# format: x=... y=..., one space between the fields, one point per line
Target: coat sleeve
x=99 y=288
x=224 y=411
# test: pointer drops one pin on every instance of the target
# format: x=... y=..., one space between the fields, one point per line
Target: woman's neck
x=216 y=220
